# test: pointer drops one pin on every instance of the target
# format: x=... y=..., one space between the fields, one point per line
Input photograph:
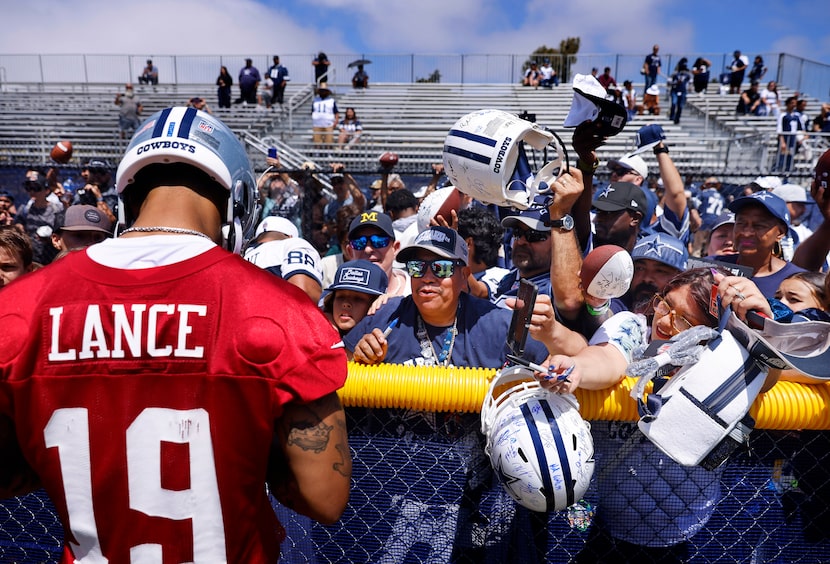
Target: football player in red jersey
x=154 y=383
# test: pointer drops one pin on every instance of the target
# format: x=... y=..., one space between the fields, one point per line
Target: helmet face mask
x=192 y=137
x=484 y=156
x=539 y=446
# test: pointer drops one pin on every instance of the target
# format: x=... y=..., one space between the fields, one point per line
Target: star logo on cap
x=762 y=195
x=606 y=192
x=656 y=247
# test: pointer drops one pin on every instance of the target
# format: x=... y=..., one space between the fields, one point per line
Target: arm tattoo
x=306 y=428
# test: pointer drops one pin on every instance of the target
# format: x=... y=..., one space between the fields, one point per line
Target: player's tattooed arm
x=311 y=468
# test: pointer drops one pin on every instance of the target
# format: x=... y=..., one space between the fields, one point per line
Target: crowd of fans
x=405 y=287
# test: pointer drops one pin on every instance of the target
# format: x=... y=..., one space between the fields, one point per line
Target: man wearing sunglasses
x=440 y=324
x=372 y=238
x=632 y=169
x=530 y=253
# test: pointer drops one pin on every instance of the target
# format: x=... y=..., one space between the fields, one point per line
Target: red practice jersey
x=146 y=399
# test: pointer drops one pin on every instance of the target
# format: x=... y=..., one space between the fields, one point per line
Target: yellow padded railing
x=787 y=406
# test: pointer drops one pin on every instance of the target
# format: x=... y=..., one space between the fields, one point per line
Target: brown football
x=61 y=152
x=388 y=159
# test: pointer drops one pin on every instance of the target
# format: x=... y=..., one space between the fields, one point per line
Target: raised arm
x=566 y=255
x=811 y=252
x=586 y=139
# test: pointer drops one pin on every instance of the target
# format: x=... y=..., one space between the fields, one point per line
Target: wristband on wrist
x=587 y=168
x=598 y=310
x=663 y=149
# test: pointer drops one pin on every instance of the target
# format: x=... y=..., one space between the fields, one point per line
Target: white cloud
x=186 y=27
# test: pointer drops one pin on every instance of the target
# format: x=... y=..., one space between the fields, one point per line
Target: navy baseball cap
x=536 y=218
x=373 y=219
x=775 y=205
x=726 y=218
x=662 y=248
x=442 y=241
x=361 y=276
x=619 y=196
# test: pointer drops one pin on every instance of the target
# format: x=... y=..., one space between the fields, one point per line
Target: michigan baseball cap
x=277 y=224
x=662 y=248
x=81 y=217
x=619 y=196
x=442 y=241
x=360 y=276
x=373 y=219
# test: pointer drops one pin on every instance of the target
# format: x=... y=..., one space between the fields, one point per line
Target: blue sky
x=180 y=27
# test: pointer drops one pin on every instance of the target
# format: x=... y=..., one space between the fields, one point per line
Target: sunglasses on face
x=377 y=242
x=441 y=268
x=621 y=171
x=531 y=235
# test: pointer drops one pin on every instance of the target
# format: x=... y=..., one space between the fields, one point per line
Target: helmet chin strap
x=121 y=220
x=539 y=184
x=234 y=239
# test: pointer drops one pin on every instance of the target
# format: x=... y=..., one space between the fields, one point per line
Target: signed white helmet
x=539 y=446
x=484 y=156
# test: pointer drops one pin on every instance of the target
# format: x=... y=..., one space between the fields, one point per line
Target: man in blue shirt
x=530 y=253
x=248 y=82
x=280 y=78
x=439 y=324
x=651 y=68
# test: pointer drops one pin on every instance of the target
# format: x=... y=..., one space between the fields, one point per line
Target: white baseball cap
x=278 y=224
x=632 y=162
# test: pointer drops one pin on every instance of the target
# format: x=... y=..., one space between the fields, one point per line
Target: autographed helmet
x=196 y=138
x=484 y=156
x=539 y=446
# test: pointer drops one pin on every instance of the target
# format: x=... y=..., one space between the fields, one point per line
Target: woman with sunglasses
x=649 y=506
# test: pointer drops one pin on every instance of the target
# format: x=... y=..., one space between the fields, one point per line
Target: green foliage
x=434 y=77
x=561 y=59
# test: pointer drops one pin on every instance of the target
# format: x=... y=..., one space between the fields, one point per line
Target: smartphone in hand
x=520 y=323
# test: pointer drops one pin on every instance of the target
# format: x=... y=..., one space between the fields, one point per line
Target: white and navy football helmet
x=484 y=157
x=539 y=446
x=190 y=136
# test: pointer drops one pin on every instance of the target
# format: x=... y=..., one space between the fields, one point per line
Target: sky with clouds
x=210 y=27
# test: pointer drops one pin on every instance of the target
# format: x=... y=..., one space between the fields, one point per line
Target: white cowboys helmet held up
x=190 y=136
x=484 y=157
x=539 y=446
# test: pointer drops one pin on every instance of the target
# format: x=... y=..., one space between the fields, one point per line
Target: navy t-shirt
x=767 y=284
x=481 y=341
